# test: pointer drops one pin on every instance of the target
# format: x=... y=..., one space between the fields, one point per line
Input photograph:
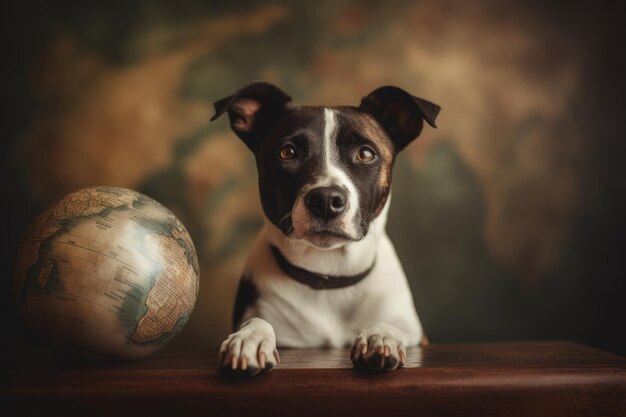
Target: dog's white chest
x=310 y=318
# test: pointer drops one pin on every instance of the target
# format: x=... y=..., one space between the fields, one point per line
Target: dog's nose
x=326 y=202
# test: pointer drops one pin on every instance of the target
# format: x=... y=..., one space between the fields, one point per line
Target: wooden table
x=525 y=378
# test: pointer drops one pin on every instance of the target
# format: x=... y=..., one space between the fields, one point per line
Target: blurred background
x=509 y=218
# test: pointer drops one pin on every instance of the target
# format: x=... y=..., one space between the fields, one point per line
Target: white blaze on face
x=330 y=137
x=332 y=175
x=335 y=176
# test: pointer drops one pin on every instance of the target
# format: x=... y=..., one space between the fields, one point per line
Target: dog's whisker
x=367 y=219
x=285 y=217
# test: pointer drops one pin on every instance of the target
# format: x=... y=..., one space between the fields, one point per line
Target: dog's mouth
x=327 y=238
x=329 y=234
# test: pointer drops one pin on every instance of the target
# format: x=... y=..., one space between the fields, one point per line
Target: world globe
x=106 y=273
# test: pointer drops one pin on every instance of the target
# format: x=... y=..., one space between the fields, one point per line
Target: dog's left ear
x=252 y=110
x=399 y=113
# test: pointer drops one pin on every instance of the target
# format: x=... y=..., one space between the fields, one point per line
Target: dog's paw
x=251 y=350
x=377 y=350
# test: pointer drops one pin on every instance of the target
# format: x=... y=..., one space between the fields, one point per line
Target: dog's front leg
x=250 y=350
x=379 y=348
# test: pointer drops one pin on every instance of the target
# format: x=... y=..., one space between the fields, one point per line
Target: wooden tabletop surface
x=513 y=378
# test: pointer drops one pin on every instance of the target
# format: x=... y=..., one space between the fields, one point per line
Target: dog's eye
x=287 y=152
x=365 y=154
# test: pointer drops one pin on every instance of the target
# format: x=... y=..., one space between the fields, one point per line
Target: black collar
x=315 y=280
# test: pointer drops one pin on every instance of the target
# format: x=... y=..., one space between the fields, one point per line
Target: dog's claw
x=377 y=352
x=402 y=357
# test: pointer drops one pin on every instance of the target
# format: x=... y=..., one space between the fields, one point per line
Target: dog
x=323 y=272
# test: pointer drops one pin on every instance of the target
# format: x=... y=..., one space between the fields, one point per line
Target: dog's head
x=325 y=172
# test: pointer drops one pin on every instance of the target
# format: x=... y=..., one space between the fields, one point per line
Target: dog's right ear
x=252 y=110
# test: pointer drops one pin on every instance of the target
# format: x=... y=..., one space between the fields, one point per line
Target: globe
x=107 y=273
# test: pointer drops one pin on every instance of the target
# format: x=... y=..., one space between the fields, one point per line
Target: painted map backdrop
x=507 y=218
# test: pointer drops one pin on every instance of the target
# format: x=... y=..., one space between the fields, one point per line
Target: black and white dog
x=323 y=272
